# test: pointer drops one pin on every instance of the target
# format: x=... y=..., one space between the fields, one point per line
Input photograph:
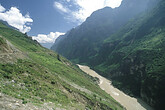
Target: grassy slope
x=45 y=76
x=134 y=57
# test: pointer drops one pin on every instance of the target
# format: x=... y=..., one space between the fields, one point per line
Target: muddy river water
x=130 y=103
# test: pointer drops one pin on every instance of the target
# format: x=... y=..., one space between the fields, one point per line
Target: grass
x=44 y=76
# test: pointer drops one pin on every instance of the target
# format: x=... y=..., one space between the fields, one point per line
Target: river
x=130 y=103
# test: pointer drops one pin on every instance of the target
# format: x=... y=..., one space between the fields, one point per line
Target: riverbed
x=130 y=103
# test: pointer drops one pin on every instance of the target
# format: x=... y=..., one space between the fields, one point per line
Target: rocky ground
x=10 y=103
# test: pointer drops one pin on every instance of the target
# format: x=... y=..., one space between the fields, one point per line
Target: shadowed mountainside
x=132 y=53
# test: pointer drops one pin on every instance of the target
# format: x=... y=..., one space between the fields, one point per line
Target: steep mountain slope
x=42 y=79
x=83 y=42
x=132 y=56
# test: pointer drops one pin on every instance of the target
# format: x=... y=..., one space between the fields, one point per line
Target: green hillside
x=39 y=76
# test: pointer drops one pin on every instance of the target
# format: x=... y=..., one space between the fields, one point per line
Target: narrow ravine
x=128 y=102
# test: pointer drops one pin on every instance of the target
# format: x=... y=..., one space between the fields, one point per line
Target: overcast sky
x=45 y=20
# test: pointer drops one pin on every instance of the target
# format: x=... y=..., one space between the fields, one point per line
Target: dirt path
x=128 y=102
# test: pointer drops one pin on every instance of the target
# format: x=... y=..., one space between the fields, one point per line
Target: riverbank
x=130 y=103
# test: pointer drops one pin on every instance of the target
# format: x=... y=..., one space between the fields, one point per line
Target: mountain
x=83 y=42
x=132 y=53
x=134 y=57
x=33 y=77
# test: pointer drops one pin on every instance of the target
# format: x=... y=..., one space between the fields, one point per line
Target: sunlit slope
x=39 y=76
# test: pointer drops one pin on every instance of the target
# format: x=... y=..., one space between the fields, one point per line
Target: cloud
x=14 y=18
x=84 y=8
x=2 y=9
x=50 y=38
x=68 y=0
x=60 y=7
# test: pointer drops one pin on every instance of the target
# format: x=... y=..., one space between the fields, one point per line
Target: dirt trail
x=128 y=102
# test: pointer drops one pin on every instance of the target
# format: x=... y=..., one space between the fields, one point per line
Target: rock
x=42 y=100
x=9 y=105
x=0 y=95
x=17 y=104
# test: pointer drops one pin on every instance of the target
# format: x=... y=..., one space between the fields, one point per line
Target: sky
x=46 y=20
